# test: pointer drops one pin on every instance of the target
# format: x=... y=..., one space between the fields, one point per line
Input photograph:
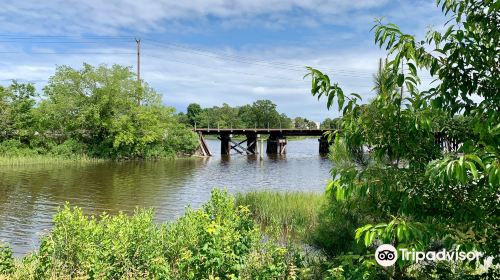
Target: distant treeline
x=259 y=114
x=98 y=112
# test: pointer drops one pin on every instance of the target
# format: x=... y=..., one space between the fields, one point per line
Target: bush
x=218 y=241
x=14 y=148
x=338 y=223
x=69 y=149
x=6 y=260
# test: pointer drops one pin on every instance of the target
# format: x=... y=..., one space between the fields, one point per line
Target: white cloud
x=112 y=16
x=184 y=76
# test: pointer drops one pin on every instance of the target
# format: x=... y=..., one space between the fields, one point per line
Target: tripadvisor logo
x=387 y=255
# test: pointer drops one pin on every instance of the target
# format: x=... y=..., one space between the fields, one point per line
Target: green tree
x=263 y=114
x=193 y=113
x=108 y=110
x=17 y=119
x=303 y=123
x=429 y=198
x=330 y=123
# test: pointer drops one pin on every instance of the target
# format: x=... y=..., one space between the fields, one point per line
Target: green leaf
x=357 y=96
x=472 y=167
x=401 y=79
x=476 y=159
x=340 y=99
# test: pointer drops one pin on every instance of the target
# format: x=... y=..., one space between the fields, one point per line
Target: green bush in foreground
x=6 y=260
x=218 y=241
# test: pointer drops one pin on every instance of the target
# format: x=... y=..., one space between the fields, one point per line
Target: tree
x=263 y=114
x=260 y=114
x=303 y=123
x=109 y=111
x=430 y=198
x=193 y=113
x=17 y=119
x=330 y=123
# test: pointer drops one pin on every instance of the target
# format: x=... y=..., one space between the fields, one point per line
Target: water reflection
x=30 y=195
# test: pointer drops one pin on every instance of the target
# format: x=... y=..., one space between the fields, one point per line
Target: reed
x=44 y=159
x=289 y=215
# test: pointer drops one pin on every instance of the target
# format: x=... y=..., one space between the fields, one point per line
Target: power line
x=64 y=42
x=58 y=53
x=239 y=58
x=66 y=36
x=278 y=65
x=197 y=51
x=239 y=72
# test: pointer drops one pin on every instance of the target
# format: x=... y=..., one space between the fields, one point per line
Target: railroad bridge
x=276 y=140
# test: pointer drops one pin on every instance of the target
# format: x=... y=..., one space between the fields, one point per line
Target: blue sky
x=210 y=52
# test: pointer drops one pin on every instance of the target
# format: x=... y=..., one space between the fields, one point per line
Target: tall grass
x=289 y=215
x=44 y=159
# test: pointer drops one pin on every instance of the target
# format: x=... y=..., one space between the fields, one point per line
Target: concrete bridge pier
x=276 y=144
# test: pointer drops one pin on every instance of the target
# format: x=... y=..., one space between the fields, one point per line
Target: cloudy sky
x=210 y=51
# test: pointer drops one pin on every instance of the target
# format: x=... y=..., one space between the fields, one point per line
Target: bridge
x=276 y=140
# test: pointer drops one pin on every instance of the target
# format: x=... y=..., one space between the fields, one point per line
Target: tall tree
x=110 y=111
x=17 y=118
x=193 y=113
x=428 y=197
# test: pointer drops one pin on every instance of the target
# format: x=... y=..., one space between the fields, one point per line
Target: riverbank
x=50 y=159
x=218 y=241
x=45 y=159
x=14 y=152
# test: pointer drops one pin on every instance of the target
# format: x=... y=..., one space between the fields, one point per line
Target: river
x=31 y=194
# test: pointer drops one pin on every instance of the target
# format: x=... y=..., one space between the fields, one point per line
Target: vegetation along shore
x=412 y=169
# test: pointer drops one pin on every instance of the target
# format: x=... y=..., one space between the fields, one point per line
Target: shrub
x=69 y=149
x=218 y=241
x=14 y=148
x=6 y=260
x=339 y=221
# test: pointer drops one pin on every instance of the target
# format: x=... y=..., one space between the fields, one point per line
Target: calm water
x=30 y=195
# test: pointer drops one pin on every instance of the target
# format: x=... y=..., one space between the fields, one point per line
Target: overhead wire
x=199 y=51
x=191 y=50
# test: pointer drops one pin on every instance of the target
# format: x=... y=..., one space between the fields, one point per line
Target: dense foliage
x=260 y=114
x=386 y=153
x=101 y=112
x=218 y=241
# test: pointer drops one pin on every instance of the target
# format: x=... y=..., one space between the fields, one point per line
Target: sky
x=214 y=51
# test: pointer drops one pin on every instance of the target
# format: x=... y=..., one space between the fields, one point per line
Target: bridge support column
x=225 y=143
x=276 y=144
x=252 y=143
x=324 y=145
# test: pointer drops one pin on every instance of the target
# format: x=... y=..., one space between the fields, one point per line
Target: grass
x=43 y=159
x=288 y=215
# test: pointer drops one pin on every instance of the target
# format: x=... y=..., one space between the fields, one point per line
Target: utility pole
x=138 y=41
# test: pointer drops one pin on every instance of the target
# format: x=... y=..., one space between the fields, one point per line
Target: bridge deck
x=244 y=131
